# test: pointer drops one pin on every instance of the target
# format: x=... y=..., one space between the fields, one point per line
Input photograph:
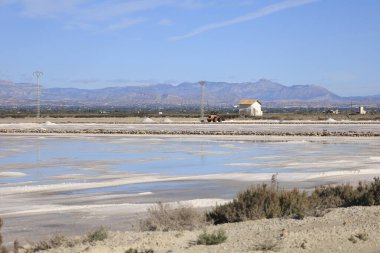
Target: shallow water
x=52 y=183
x=47 y=160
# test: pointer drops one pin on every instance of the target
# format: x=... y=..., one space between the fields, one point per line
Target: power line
x=202 y=84
x=37 y=74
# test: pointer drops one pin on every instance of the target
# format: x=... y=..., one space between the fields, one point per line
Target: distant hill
x=216 y=94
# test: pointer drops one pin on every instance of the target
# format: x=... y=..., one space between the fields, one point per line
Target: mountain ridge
x=186 y=93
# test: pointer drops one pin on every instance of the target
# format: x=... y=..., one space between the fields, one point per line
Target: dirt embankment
x=186 y=132
x=354 y=229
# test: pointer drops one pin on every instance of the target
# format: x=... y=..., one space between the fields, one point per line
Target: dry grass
x=59 y=241
x=163 y=217
x=268 y=245
x=56 y=241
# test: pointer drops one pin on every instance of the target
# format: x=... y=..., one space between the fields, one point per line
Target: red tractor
x=214 y=118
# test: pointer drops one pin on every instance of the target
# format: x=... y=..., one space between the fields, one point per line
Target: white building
x=361 y=110
x=249 y=107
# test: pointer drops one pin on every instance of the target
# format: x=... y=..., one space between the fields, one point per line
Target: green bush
x=97 y=235
x=216 y=237
x=347 y=195
x=262 y=201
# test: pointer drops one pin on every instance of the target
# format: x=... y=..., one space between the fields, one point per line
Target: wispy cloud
x=114 y=9
x=92 y=9
x=270 y=9
x=125 y=23
x=92 y=15
x=45 y=8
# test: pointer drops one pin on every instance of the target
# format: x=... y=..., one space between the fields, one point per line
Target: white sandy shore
x=124 y=208
x=137 y=179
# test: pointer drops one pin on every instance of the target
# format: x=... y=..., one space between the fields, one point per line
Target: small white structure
x=333 y=111
x=248 y=107
x=361 y=110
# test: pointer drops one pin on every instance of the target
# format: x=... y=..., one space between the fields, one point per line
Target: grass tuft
x=216 y=237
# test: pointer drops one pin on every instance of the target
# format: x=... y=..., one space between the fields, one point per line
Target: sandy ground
x=330 y=233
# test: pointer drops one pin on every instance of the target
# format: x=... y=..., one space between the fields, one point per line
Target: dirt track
x=295 y=128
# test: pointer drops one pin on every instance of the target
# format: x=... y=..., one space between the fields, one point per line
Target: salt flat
x=65 y=183
x=259 y=126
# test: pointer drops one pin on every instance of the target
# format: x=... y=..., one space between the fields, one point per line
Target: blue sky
x=93 y=44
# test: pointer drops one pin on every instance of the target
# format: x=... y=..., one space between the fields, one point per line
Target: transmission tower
x=37 y=74
x=202 y=84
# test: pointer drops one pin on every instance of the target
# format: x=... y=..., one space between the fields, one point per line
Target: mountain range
x=185 y=94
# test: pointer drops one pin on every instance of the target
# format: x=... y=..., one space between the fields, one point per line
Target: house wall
x=251 y=110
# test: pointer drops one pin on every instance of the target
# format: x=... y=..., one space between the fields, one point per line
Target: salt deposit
x=147 y=120
x=167 y=120
x=331 y=120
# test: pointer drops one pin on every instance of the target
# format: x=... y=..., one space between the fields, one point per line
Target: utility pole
x=202 y=84
x=37 y=74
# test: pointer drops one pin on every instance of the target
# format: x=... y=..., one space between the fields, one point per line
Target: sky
x=95 y=44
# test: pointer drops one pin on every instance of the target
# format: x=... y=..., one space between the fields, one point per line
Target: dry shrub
x=3 y=249
x=163 y=217
x=99 y=234
x=1 y=237
x=60 y=241
x=52 y=243
x=16 y=247
x=268 y=245
x=262 y=201
x=214 y=238
x=347 y=195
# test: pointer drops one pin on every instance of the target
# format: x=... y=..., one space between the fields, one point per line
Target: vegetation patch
x=98 y=235
x=359 y=236
x=214 y=238
x=163 y=217
x=56 y=241
x=132 y=250
x=268 y=245
x=264 y=201
x=59 y=241
x=3 y=248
